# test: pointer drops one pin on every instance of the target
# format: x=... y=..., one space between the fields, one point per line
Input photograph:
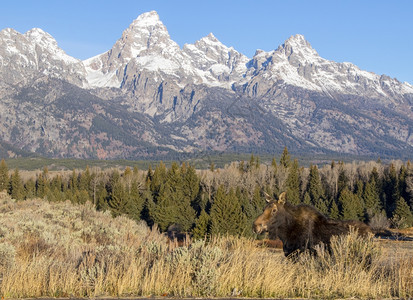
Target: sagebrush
x=66 y=250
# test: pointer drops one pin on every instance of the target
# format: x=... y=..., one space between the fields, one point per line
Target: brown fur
x=301 y=227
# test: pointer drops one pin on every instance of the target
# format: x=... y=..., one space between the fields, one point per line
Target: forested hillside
x=227 y=200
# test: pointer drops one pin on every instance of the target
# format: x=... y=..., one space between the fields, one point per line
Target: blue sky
x=375 y=35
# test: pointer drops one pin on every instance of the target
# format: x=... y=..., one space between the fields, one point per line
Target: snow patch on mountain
x=296 y=63
x=145 y=47
x=46 y=41
x=225 y=64
x=26 y=56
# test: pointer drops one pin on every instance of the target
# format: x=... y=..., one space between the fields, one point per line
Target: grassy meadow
x=66 y=250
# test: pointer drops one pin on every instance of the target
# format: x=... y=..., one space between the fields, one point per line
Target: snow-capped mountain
x=34 y=54
x=296 y=63
x=147 y=92
x=224 y=63
x=146 y=45
x=152 y=67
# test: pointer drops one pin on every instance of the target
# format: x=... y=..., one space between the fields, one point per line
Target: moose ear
x=281 y=198
x=268 y=198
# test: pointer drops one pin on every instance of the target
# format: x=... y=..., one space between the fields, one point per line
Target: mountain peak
x=8 y=31
x=147 y=19
x=37 y=31
x=297 y=41
x=46 y=41
x=297 y=44
x=146 y=31
x=39 y=36
x=210 y=41
x=210 y=37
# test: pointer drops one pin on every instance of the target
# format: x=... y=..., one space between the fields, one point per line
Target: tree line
x=227 y=200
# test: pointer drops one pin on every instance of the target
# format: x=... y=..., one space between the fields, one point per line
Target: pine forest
x=227 y=200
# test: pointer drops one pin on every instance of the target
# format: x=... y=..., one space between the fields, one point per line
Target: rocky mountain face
x=34 y=54
x=147 y=97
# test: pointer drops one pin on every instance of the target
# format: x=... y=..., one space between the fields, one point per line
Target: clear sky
x=376 y=35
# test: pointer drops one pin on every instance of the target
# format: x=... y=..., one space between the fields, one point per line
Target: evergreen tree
x=149 y=206
x=293 y=184
x=376 y=177
x=359 y=191
x=334 y=211
x=371 y=198
x=190 y=184
x=173 y=205
x=57 y=183
x=158 y=178
x=257 y=162
x=315 y=190
x=201 y=228
x=4 y=175
x=55 y=193
x=41 y=186
x=73 y=184
x=274 y=164
x=46 y=173
x=314 y=186
x=81 y=196
x=84 y=180
x=343 y=180
x=251 y=162
x=391 y=189
x=407 y=193
x=127 y=172
x=165 y=211
x=185 y=185
x=307 y=198
x=322 y=205
x=359 y=188
x=258 y=202
x=100 y=196
x=403 y=175
x=402 y=215
x=117 y=196
x=30 y=189
x=379 y=186
x=348 y=203
x=135 y=171
x=251 y=207
x=285 y=159
x=16 y=189
x=226 y=213
x=187 y=190
x=149 y=175
x=135 y=202
x=246 y=204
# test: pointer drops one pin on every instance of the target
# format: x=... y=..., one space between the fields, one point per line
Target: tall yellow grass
x=62 y=250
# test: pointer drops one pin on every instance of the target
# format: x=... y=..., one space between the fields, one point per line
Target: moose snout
x=258 y=228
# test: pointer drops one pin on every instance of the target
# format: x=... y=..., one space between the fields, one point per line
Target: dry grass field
x=63 y=250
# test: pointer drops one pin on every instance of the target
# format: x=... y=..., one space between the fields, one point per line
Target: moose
x=301 y=227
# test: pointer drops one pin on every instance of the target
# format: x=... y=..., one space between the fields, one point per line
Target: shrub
x=62 y=250
x=7 y=256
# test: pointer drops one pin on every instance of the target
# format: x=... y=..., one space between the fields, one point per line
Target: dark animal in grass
x=301 y=227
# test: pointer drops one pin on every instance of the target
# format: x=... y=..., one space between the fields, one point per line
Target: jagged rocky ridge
x=147 y=97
